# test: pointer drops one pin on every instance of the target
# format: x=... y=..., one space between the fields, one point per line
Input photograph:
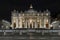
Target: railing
x=9 y=34
x=30 y=30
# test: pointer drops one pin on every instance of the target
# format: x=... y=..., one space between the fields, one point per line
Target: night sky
x=6 y=6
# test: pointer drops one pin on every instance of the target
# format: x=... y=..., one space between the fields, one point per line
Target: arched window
x=33 y=24
x=27 y=24
x=38 y=25
x=14 y=25
x=30 y=25
x=47 y=25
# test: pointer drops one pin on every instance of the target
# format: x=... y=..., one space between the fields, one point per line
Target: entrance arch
x=33 y=24
x=30 y=25
x=14 y=25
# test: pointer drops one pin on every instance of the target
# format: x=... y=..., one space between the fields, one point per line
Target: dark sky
x=6 y=6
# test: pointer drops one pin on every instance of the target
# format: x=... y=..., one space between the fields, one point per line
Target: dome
x=31 y=10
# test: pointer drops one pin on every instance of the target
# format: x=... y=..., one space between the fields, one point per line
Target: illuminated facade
x=30 y=19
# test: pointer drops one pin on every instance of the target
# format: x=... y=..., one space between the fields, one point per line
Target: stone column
x=12 y=25
x=40 y=23
x=16 y=22
x=26 y=24
x=20 y=23
x=35 y=24
x=44 y=23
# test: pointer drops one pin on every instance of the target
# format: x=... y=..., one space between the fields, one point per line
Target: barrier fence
x=30 y=30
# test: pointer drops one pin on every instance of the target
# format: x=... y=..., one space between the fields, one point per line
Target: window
x=47 y=25
x=33 y=24
x=38 y=25
x=14 y=25
x=27 y=25
x=30 y=25
x=23 y=25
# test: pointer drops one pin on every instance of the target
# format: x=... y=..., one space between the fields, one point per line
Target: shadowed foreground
x=29 y=35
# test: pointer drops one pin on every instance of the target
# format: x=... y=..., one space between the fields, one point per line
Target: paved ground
x=30 y=36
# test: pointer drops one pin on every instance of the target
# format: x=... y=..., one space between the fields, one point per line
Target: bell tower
x=14 y=19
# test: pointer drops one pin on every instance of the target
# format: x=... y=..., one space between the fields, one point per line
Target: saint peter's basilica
x=30 y=19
